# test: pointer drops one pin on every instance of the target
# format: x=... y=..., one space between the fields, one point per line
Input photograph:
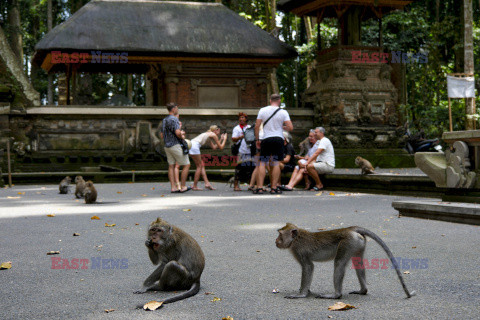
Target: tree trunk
x=16 y=40
x=468 y=60
x=437 y=11
x=50 y=75
x=270 y=6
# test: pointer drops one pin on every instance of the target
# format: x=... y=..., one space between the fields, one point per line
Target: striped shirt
x=169 y=125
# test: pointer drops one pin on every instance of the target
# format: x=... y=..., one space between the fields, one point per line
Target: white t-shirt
x=274 y=127
x=237 y=132
x=327 y=155
x=312 y=150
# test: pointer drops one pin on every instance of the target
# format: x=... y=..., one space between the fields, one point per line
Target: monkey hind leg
x=360 y=270
x=175 y=277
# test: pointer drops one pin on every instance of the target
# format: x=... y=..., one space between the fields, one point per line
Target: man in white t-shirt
x=323 y=160
x=275 y=120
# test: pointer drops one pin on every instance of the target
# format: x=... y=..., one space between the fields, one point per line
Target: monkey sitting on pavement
x=80 y=186
x=340 y=245
x=365 y=165
x=90 y=193
x=64 y=185
x=180 y=258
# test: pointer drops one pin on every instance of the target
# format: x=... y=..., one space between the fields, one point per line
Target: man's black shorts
x=271 y=147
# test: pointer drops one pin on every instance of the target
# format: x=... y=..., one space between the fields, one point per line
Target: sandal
x=317 y=188
x=210 y=188
x=251 y=188
x=258 y=191
x=188 y=189
x=284 y=188
x=276 y=191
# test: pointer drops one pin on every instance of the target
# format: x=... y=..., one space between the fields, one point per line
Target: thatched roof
x=331 y=8
x=161 y=28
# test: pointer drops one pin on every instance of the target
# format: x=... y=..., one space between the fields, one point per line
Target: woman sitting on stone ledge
x=212 y=136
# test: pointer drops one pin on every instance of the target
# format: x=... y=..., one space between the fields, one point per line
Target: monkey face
x=285 y=237
x=357 y=160
x=156 y=236
x=78 y=178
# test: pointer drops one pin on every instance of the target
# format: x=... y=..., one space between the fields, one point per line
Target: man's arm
x=314 y=156
x=287 y=125
x=258 y=123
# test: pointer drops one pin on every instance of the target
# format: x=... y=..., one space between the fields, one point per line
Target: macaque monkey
x=231 y=181
x=80 y=186
x=64 y=185
x=365 y=165
x=304 y=146
x=90 y=192
x=180 y=259
x=340 y=245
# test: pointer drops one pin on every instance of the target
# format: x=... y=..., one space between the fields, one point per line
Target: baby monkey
x=64 y=185
x=180 y=259
x=90 y=193
x=365 y=165
x=340 y=245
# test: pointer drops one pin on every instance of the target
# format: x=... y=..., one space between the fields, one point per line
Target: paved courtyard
x=236 y=231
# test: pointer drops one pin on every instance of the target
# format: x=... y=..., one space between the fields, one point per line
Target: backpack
x=249 y=135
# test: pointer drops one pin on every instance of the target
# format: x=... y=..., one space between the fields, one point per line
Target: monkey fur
x=64 y=185
x=181 y=261
x=340 y=245
x=305 y=145
x=80 y=186
x=365 y=165
x=90 y=193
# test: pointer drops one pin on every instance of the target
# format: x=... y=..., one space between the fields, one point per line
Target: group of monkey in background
x=83 y=189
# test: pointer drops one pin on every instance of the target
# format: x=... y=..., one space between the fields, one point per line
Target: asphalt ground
x=236 y=231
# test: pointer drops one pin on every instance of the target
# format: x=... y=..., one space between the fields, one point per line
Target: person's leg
x=293 y=177
x=198 y=171
x=276 y=172
x=171 y=177
x=177 y=176
x=312 y=172
x=184 y=176
x=208 y=185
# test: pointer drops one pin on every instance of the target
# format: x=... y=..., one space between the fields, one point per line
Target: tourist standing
x=275 y=120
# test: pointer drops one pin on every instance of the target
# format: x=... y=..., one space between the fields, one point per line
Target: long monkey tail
x=194 y=289
x=368 y=233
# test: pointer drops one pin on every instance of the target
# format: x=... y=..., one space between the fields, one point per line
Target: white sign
x=461 y=87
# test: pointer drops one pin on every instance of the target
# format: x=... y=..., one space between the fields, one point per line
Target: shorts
x=323 y=167
x=195 y=149
x=175 y=155
x=301 y=161
x=271 y=147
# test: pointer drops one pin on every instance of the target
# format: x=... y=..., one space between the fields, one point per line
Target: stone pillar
x=172 y=92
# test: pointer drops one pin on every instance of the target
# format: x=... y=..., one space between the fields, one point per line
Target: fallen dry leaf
x=21 y=193
x=340 y=306
x=215 y=299
x=13 y=197
x=76 y=234
x=119 y=192
x=153 y=188
x=137 y=224
x=50 y=215
x=406 y=272
x=227 y=318
x=110 y=225
x=144 y=195
x=414 y=247
x=187 y=209
x=443 y=235
x=5 y=265
x=49 y=253
x=152 y=305
x=320 y=193
x=207 y=293
x=109 y=310
x=331 y=193
x=162 y=195
x=321 y=229
x=95 y=218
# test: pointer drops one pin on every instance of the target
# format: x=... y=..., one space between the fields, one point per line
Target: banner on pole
x=461 y=87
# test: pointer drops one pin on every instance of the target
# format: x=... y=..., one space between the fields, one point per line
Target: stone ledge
x=156 y=111
x=458 y=212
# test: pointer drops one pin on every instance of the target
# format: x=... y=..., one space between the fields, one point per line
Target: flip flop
x=188 y=189
x=210 y=188
x=237 y=189
x=176 y=191
x=276 y=191
x=258 y=191
x=317 y=188
x=197 y=189
x=284 y=188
